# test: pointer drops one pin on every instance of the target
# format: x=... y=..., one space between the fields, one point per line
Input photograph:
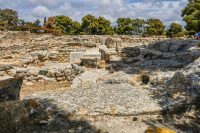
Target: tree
x=104 y=27
x=128 y=26
x=89 y=24
x=175 y=30
x=76 y=26
x=155 y=27
x=191 y=15
x=45 y=21
x=21 y=22
x=2 y=25
x=138 y=26
x=64 y=24
x=97 y=26
x=124 y=26
x=9 y=17
x=37 y=23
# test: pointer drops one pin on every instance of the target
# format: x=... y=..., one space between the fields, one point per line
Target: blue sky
x=167 y=10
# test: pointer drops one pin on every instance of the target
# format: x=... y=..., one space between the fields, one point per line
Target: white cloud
x=41 y=11
x=166 y=10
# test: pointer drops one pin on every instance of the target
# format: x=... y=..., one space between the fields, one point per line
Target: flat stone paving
x=98 y=92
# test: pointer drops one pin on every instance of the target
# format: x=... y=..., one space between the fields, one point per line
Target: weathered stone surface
x=104 y=54
x=90 y=45
x=41 y=54
x=75 y=57
x=178 y=83
x=77 y=69
x=131 y=51
x=43 y=71
x=53 y=55
x=10 y=88
x=32 y=72
x=5 y=67
x=167 y=54
x=27 y=60
x=59 y=74
x=171 y=46
x=113 y=42
x=67 y=72
x=90 y=62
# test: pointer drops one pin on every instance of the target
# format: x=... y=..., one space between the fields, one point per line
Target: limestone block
x=75 y=57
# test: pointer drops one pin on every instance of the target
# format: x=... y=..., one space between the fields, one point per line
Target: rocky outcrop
x=172 y=46
x=10 y=88
x=127 y=41
x=131 y=51
x=166 y=54
x=178 y=83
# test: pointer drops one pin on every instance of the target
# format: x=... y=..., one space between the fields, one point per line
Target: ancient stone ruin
x=114 y=83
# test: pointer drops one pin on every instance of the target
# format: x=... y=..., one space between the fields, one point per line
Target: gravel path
x=98 y=92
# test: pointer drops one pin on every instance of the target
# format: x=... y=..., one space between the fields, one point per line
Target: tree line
x=91 y=25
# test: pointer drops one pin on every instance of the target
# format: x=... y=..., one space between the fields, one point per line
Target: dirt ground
x=41 y=87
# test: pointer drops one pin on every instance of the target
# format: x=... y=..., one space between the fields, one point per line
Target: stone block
x=104 y=54
x=75 y=57
x=96 y=55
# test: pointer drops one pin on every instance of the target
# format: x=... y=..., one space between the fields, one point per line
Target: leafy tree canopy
x=128 y=26
x=191 y=15
x=9 y=17
x=97 y=26
x=175 y=30
x=155 y=27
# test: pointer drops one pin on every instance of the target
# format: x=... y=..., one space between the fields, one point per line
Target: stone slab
x=75 y=57
x=92 y=55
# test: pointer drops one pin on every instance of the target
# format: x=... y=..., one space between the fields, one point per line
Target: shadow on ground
x=39 y=116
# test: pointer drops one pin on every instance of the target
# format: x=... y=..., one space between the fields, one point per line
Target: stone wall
x=47 y=57
x=49 y=72
x=31 y=48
